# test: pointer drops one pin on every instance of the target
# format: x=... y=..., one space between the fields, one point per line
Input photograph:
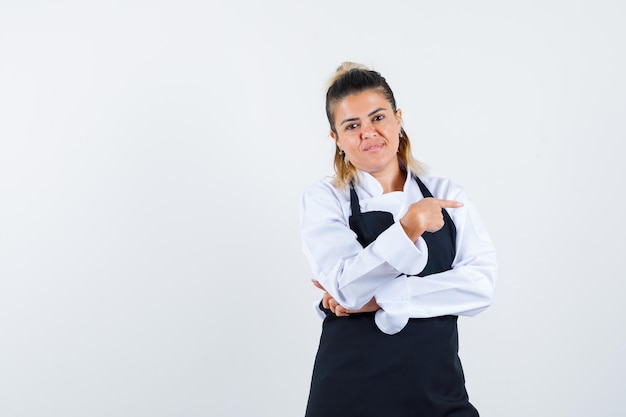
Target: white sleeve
x=349 y=272
x=466 y=289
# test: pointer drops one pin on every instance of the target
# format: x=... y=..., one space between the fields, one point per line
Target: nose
x=368 y=130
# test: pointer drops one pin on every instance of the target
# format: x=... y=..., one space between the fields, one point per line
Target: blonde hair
x=353 y=78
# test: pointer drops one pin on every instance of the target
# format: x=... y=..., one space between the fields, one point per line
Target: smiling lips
x=373 y=147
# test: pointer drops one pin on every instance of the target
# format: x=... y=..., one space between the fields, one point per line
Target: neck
x=391 y=181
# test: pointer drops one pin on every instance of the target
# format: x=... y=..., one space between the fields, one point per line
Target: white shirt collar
x=371 y=186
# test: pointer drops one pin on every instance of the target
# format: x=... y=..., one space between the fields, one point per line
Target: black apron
x=360 y=371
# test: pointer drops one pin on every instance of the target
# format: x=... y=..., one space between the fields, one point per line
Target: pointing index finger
x=450 y=203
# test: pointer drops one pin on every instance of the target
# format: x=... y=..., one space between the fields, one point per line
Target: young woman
x=399 y=256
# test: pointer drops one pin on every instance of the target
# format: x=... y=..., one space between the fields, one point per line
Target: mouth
x=374 y=147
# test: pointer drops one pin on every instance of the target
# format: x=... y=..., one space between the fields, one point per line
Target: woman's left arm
x=466 y=289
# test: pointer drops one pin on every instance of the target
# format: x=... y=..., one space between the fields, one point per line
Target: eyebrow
x=353 y=119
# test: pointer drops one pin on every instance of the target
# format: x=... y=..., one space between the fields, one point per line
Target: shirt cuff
x=393 y=301
x=318 y=310
x=393 y=320
x=395 y=247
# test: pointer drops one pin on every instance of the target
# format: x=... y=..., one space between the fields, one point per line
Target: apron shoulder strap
x=354 y=201
x=425 y=191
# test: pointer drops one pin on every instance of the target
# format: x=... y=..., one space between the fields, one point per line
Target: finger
x=449 y=203
x=341 y=312
x=325 y=299
x=317 y=284
x=332 y=304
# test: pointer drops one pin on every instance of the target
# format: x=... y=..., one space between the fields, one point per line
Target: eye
x=379 y=117
x=352 y=126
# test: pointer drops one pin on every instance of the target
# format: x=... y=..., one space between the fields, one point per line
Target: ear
x=399 y=116
x=333 y=135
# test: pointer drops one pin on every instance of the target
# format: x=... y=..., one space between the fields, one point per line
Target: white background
x=152 y=158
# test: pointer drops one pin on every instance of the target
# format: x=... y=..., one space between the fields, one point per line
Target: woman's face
x=368 y=131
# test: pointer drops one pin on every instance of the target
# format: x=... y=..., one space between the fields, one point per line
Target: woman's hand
x=426 y=216
x=330 y=303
